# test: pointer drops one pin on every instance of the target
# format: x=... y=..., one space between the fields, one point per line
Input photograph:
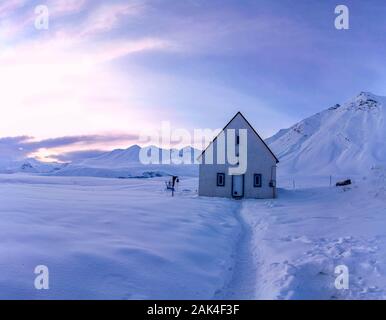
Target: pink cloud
x=66 y=6
x=106 y=18
x=7 y=7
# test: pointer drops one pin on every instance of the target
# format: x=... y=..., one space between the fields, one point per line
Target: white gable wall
x=259 y=160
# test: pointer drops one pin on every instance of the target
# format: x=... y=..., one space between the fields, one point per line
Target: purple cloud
x=14 y=148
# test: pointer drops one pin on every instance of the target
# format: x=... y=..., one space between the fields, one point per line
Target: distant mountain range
x=118 y=163
x=120 y=158
x=29 y=165
x=125 y=163
x=347 y=138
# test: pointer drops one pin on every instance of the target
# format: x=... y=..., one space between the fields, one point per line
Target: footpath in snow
x=242 y=283
x=299 y=239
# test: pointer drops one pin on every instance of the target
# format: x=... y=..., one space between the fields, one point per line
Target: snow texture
x=112 y=239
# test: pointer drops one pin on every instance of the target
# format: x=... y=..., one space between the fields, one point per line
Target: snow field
x=113 y=239
x=301 y=237
x=129 y=239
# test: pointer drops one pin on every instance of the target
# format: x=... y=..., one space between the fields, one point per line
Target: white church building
x=257 y=172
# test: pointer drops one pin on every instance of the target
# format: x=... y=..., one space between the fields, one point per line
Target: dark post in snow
x=171 y=184
x=175 y=180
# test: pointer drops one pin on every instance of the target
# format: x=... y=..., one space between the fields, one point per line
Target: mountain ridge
x=343 y=138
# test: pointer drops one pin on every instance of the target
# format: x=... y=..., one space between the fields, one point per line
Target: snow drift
x=112 y=239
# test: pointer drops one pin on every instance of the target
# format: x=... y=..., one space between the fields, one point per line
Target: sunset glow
x=122 y=68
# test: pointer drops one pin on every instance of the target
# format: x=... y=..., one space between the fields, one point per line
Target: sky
x=106 y=71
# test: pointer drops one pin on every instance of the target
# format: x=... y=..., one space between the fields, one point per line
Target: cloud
x=56 y=8
x=118 y=64
x=94 y=19
x=48 y=84
x=78 y=155
x=118 y=49
x=16 y=148
x=62 y=7
x=80 y=140
x=12 y=148
x=63 y=75
x=228 y=32
x=16 y=24
x=7 y=7
x=106 y=17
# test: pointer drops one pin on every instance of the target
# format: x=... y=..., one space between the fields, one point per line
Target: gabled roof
x=239 y=113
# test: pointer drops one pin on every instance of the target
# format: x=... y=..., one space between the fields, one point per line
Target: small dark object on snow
x=343 y=183
x=170 y=185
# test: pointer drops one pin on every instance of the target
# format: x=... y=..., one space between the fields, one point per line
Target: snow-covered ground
x=113 y=239
x=299 y=239
x=129 y=239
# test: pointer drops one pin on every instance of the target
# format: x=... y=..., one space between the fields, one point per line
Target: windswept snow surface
x=129 y=239
x=132 y=170
x=113 y=239
x=299 y=239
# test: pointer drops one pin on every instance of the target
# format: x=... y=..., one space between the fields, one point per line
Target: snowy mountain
x=118 y=158
x=29 y=165
x=122 y=158
x=118 y=163
x=344 y=139
x=348 y=138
